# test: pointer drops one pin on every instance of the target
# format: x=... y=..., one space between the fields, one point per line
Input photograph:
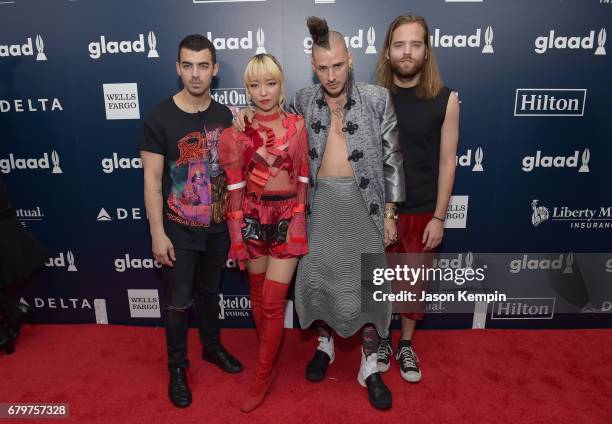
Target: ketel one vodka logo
x=469 y=159
x=352 y=41
x=543 y=161
x=13 y=163
x=234 y=306
x=60 y=261
x=104 y=46
x=563 y=263
x=554 y=41
x=232 y=97
x=26 y=49
x=438 y=39
x=240 y=43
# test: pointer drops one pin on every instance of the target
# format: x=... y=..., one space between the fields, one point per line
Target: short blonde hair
x=262 y=64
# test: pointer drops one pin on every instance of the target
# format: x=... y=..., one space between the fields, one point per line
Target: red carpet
x=116 y=374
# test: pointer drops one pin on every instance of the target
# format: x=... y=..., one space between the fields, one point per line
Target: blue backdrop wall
x=76 y=77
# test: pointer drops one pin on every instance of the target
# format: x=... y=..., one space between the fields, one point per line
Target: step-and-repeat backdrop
x=533 y=164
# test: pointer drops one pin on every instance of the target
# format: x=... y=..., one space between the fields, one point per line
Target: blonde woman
x=266 y=168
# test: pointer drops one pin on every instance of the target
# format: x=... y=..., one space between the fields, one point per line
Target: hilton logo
x=524 y=308
x=549 y=102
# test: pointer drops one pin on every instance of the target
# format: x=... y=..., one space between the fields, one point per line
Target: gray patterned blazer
x=371 y=132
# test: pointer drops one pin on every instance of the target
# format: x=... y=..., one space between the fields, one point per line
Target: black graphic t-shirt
x=193 y=183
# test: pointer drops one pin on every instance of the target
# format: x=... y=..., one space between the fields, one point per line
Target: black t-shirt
x=420 y=126
x=193 y=183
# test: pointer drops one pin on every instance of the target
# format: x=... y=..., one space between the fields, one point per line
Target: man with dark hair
x=428 y=115
x=356 y=177
x=184 y=189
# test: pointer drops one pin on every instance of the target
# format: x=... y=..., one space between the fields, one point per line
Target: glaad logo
x=121 y=101
x=125 y=263
x=466 y=160
x=541 y=161
x=562 y=263
x=144 y=303
x=31 y=105
x=463 y=260
x=549 y=102
x=12 y=163
x=609 y=265
x=109 y=165
x=586 y=218
x=232 y=306
x=16 y=50
x=437 y=39
x=101 y=47
x=60 y=262
x=524 y=308
x=237 y=43
x=456 y=213
x=551 y=41
x=121 y=214
x=352 y=42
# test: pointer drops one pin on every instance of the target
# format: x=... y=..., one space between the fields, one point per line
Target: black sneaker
x=384 y=353
x=409 y=364
x=178 y=390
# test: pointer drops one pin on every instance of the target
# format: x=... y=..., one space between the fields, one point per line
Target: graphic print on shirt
x=197 y=194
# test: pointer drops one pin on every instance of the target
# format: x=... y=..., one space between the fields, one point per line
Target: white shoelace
x=407 y=357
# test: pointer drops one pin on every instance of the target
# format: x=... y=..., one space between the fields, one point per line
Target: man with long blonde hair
x=428 y=116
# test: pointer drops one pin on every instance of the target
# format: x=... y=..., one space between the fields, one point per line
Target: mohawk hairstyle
x=319 y=31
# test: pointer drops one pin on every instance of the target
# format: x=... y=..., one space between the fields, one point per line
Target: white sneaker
x=367 y=368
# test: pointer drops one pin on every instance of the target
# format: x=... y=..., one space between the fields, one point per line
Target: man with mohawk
x=356 y=177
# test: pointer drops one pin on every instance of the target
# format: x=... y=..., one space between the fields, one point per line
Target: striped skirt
x=328 y=284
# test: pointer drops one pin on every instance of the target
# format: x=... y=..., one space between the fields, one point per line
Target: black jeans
x=206 y=269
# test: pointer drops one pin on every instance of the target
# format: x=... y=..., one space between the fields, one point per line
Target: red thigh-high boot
x=256 y=287
x=273 y=314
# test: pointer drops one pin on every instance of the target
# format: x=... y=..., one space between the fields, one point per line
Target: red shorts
x=410 y=229
x=266 y=223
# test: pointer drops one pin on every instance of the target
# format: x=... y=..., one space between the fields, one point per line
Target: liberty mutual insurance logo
x=578 y=218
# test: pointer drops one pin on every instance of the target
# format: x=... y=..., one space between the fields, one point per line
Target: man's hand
x=390 y=231
x=163 y=250
x=432 y=236
x=245 y=114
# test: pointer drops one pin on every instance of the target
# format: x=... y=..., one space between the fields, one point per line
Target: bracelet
x=390 y=214
x=439 y=219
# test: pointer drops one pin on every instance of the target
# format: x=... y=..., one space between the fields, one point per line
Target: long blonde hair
x=430 y=82
x=262 y=64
